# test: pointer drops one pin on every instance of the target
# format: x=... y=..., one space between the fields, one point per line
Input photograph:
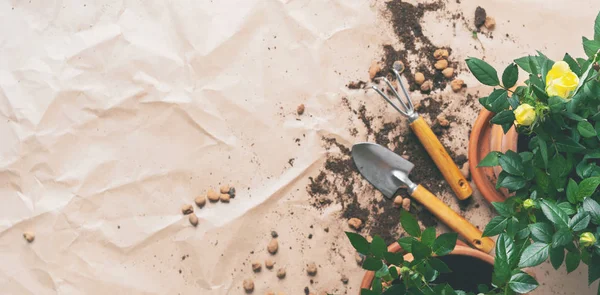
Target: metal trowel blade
x=383 y=168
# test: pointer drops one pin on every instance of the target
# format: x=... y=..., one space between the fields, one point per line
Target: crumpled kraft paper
x=115 y=113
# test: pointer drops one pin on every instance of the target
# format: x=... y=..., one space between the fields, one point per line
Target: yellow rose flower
x=528 y=204
x=587 y=239
x=524 y=115
x=561 y=81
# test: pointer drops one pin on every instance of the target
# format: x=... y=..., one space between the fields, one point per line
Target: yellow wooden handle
x=442 y=160
x=454 y=221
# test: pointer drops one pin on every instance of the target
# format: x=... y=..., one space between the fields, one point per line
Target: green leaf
x=541 y=232
x=586 y=129
x=524 y=63
x=485 y=73
x=525 y=156
x=501 y=273
x=512 y=163
x=597 y=28
x=559 y=167
x=514 y=101
x=505 y=119
x=580 y=221
x=554 y=214
x=535 y=66
x=394 y=290
x=376 y=285
x=534 y=255
x=378 y=247
x=546 y=66
x=522 y=283
x=573 y=116
x=573 y=65
x=556 y=104
x=511 y=226
x=439 y=265
x=567 y=208
x=572 y=261
x=505 y=250
x=358 y=242
x=393 y=272
x=503 y=209
x=587 y=187
x=593 y=208
x=510 y=76
x=512 y=182
x=444 y=244
x=490 y=160
x=372 y=263
x=543 y=151
x=420 y=251
x=539 y=92
x=562 y=237
x=410 y=224
x=495 y=226
x=443 y=289
x=428 y=236
x=542 y=180
x=406 y=243
x=594 y=269
x=572 y=189
x=393 y=258
x=567 y=144
x=589 y=46
x=585 y=256
x=496 y=102
x=383 y=272
x=557 y=256
x=368 y=292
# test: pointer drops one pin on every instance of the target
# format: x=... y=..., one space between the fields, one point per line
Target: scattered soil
x=480 y=16
x=339 y=181
x=357 y=85
x=405 y=19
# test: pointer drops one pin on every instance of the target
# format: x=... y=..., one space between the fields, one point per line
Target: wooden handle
x=442 y=160
x=454 y=221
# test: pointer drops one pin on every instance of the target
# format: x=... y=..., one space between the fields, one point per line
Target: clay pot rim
x=460 y=249
x=484 y=138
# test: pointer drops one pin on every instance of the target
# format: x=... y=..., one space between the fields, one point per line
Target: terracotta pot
x=460 y=249
x=485 y=138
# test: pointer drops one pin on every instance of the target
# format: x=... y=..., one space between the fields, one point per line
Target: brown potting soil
x=467 y=273
x=405 y=19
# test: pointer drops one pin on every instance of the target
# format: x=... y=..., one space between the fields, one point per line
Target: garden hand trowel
x=388 y=172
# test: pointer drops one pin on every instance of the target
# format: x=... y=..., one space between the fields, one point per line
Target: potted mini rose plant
x=553 y=211
x=422 y=263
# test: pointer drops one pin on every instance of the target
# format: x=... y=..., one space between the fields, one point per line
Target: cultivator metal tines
x=408 y=108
